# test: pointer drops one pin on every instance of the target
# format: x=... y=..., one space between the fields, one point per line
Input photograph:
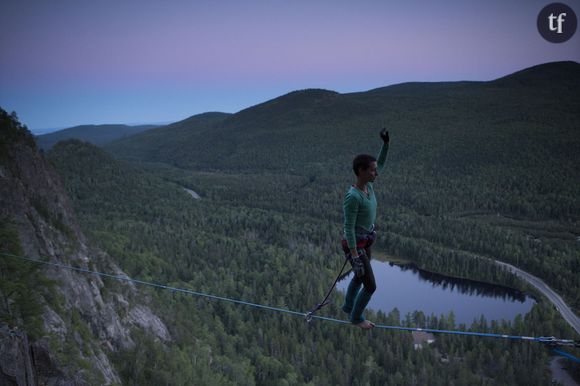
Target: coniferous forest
x=476 y=172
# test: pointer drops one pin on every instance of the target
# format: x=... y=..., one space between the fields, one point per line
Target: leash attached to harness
x=364 y=240
x=317 y=307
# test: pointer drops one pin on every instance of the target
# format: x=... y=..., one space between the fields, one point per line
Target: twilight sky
x=71 y=62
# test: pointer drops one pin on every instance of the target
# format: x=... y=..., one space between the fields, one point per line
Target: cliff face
x=83 y=321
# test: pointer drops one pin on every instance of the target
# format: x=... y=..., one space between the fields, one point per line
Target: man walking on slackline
x=360 y=211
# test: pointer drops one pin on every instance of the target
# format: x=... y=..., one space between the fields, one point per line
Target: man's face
x=370 y=174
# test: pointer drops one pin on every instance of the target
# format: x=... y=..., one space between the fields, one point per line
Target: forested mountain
x=476 y=171
x=167 y=142
x=438 y=126
x=95 y=134
x=225 y=244
x=494 y=164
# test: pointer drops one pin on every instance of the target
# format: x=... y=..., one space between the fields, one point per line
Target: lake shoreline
x=537 y=288
x=409 y=289
x=405 y=263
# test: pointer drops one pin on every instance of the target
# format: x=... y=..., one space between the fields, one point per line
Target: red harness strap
x=363 y=241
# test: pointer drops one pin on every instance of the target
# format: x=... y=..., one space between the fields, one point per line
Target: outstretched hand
x=385 y=135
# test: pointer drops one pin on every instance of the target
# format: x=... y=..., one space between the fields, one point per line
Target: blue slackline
x=549 y=340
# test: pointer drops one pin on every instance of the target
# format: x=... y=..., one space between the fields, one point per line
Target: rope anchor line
x=547 y=340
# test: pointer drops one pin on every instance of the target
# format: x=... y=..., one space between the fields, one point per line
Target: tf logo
x=557 y=22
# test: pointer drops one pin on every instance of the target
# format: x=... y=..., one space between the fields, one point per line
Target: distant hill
x=563 y=74
x=172 y=141
x=529 y=116
x=95 y=134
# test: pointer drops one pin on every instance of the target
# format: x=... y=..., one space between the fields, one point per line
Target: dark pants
x=368 y=279
x=356 y=298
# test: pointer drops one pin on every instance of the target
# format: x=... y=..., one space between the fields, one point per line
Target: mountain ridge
x=264 y=135
x=96 y=134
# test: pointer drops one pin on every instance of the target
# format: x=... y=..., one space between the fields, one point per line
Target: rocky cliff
x=80 y=320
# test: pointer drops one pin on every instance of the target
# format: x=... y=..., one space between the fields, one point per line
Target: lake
x=410 y=289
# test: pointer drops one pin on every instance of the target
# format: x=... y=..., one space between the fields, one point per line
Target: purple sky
x=70 y=62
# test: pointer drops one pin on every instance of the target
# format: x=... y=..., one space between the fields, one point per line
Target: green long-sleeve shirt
x=360 y=209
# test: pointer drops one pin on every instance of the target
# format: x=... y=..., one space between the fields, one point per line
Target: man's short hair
x=362 y=161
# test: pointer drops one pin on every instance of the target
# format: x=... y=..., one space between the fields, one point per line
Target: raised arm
x=382 y=157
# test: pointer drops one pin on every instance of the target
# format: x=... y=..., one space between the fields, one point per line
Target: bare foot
x=365 y=325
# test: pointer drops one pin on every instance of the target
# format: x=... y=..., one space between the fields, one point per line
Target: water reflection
x=408 y=289
x=466 y=286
